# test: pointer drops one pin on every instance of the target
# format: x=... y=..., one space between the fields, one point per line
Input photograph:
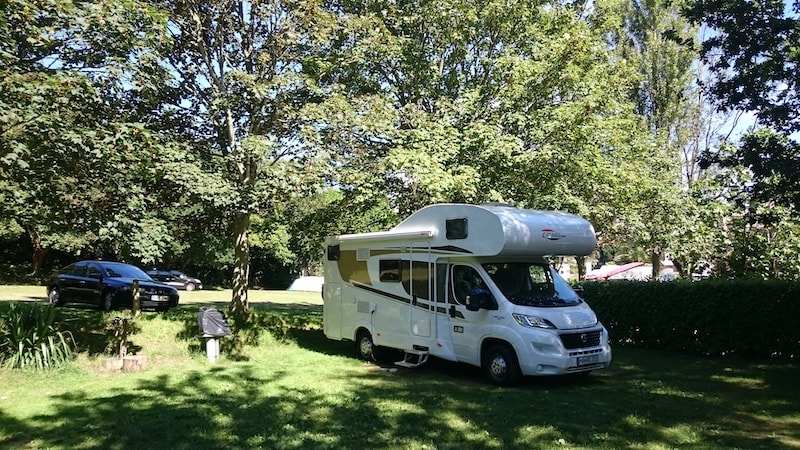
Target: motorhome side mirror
x=483 y=300
x=471 y=302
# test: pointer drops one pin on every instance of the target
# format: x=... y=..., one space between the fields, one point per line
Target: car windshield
x=532 y=284
x=125 y=271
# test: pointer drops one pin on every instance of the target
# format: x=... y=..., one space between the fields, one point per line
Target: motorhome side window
x=456 y=228
x=389 y=270
x=465 y=281
x=417 y=278
x=333 y=253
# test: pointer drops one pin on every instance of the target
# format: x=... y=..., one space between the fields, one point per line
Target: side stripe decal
x=421 y=304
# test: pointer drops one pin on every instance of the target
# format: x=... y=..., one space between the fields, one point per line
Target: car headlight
x=532 y=321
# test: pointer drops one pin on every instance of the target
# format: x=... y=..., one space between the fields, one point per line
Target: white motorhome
x=468 y=283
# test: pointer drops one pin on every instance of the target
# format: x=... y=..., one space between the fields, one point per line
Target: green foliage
x=78 y=169
x=197 y=119
x=500 y=101
x=9 y=229
x=734 y=231
x=656 y=40
x=751 y=318
x=30 y=337
x=765 y=172
x=754 y=53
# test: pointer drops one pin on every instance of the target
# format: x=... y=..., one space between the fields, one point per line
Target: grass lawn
x=310 y=392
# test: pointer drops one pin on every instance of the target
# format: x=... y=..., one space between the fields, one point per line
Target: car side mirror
x=579 y=291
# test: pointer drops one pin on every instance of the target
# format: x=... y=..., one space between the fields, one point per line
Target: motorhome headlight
x=532 y=321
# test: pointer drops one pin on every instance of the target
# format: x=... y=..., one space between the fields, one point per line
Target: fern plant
x=30 y=337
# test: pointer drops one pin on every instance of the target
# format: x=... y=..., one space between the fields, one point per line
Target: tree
x=755 y=53
x=659 y=42
x=76 y=177
x=234 y=81
x=501 y=101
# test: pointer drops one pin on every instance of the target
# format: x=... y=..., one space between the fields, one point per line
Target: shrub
x=30 y=337
x=753 y=318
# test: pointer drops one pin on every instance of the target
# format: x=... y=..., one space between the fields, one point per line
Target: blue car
x=108 y=285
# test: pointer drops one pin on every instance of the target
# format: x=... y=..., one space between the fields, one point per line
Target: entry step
x=413 y=358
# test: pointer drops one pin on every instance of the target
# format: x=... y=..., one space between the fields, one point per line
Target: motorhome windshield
x=532 y=284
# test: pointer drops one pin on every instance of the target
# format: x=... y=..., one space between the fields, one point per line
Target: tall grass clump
x=30 y=337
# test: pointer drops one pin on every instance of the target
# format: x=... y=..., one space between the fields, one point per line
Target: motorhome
x=467 y=283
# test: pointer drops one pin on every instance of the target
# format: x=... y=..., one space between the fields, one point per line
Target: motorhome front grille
x=581 y=340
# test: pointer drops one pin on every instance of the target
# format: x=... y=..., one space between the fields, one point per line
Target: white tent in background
x=309 y=284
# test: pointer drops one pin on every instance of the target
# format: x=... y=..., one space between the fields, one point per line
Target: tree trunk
x=581 y=261
x=679 y=267
x=241 y=264
x=655 y=260
x=39 y=252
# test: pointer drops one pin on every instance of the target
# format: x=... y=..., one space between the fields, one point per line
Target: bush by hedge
x=752 y=318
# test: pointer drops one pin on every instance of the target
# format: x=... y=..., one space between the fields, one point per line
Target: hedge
x=751 y=318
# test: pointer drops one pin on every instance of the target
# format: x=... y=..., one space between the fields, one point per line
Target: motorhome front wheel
x=501 y=366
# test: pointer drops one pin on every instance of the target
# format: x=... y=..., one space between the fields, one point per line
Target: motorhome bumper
x=549 y=353
x=549 y=364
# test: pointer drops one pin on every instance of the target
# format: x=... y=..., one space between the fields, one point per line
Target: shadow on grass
x=248 y=406
x=315 y=340
x=646 y=399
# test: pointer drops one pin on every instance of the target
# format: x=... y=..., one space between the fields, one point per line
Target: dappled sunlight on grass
x=530 y=434
x=658 y=387
x=305 y=391
x=682 y=435
x=633 y=420
x=740 y=381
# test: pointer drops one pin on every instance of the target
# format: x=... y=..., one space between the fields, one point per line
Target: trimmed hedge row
x=752 y=318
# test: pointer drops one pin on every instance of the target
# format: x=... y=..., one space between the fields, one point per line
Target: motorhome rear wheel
x=364 y=345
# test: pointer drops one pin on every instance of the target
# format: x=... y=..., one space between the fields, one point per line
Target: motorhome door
x=467 y=328
x=418 y=285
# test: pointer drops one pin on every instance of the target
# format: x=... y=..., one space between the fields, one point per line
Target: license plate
x=158 y=298
x=588 y=360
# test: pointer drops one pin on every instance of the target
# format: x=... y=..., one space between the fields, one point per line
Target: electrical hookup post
x=213 y=326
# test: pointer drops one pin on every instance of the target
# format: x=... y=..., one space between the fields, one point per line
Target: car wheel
x=500 y=365
x=54 y=297
x=108 y=302
x=365 y=347
x=190 y=286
